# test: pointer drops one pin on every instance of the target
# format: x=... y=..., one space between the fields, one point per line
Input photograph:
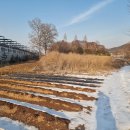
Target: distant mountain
x=123 y=49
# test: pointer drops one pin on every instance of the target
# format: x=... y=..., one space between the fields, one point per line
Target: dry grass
x=58 y=62
x=19 y=68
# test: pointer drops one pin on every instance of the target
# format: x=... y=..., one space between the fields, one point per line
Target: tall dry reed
x=57 y=62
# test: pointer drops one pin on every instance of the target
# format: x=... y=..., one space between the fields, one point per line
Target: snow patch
x=8 y=124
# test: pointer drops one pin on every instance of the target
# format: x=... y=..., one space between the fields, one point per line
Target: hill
x=123 y=49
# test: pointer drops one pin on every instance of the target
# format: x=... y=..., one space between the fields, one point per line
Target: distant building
x=11 y=51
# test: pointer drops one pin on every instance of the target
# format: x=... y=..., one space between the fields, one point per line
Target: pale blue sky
x=107 y=21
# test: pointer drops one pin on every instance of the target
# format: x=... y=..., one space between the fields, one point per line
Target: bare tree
x=42 y=35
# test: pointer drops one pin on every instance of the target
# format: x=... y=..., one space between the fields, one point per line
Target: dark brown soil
x=41 y=120
x=47 y=91
x=42 y=101
x=45 y=84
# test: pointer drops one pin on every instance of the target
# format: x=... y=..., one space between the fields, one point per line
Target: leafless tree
x=42 y=35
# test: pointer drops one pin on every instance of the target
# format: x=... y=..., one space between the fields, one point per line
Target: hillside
x=121 y=49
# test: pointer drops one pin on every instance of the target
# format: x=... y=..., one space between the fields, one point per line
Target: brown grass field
x=58 y=63
x=75 y=63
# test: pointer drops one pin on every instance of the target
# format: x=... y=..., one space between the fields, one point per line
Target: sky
x=106 y=21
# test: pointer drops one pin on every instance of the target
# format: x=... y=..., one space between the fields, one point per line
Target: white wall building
x=11 y=51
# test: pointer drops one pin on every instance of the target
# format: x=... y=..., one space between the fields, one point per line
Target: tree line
x=43 y=37
x=80 y=47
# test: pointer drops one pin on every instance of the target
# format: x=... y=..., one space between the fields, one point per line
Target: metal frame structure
x=20 y=50
x=13 y=44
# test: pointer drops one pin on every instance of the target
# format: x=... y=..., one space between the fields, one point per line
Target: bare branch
x=42 y=34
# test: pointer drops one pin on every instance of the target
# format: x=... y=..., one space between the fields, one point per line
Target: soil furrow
x=71 y=95
x=88 y=83
x=41 y=120
x=45 y=84
x=42 y=101
x=56 y=77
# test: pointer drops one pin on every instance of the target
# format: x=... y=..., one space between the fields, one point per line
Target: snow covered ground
x=112 y=109
x=110 y=112
x=8 y=124
x=113 y=105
